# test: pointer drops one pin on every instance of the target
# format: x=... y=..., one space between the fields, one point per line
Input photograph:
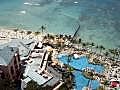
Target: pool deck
x=57 y=76
x=34 y=70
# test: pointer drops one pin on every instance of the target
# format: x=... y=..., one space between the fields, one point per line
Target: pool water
x=81 y=63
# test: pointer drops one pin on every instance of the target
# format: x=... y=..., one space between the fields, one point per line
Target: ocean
x=99 y=19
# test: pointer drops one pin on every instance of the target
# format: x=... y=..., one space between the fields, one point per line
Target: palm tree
x=15 y=30
x=106 y=55
x=97 y=47
x=117 y=53
x=113 y=52
x=22 y=33
x=29 y=32
x=45 y=37
x=69 y=59
x=42 y=28
x=69 y=37
x=91 y=45
x=61 y=36
x=48 y=35
x=84 y=45
x=87 y=44
x=52 y=37
x=101 y=47
x=79 y=42
x=37 y=33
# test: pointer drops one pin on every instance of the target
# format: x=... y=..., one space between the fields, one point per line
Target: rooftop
x=33 y=68
x=23 y=45
x=6 y=54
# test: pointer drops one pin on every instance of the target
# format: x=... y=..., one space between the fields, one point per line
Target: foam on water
x=34 y=4
x=75 y=2
x=27 y=3
x=23 y=12
x=99 y=19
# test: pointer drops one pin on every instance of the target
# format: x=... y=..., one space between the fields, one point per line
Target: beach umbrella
x=76 y=56
x=112 y=80
x=40 y=45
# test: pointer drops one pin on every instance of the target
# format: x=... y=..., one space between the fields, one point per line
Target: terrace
x=36 y=67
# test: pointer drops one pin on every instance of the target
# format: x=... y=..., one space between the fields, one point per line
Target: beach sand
x=6 y=35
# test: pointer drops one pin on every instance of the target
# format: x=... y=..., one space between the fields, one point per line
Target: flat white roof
x=32 y=68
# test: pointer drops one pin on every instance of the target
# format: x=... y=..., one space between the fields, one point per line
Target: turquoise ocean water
x=99 y=19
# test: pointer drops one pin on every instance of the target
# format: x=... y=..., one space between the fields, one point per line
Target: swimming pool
x=80 y=64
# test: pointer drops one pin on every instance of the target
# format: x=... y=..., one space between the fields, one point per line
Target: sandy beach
x=6 y=35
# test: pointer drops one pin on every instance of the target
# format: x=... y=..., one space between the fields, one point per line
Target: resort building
x=33 y=57
x=9 y=63
x=36 y=67
x=38 y=70
x=25 y=46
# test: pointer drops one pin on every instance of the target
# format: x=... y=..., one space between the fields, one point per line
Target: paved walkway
x=56 y=76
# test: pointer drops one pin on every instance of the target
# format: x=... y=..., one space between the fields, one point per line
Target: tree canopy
x=6 y=84
x=34 y=86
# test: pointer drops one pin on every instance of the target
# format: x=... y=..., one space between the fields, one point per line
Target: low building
x=24 y=46
x=36 y=68
x=9 y=63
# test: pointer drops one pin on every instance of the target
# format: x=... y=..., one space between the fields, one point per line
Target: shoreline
x=71 y=33
x=6 y=35
x=64 y=44
x=106 y=61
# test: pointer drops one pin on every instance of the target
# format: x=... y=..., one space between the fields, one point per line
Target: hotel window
x=15 y=62
x=17 y=72
x=16 y=66
x=12 y=70
x=18 y=57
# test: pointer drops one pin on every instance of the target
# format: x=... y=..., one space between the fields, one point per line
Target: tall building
x=10 y=63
